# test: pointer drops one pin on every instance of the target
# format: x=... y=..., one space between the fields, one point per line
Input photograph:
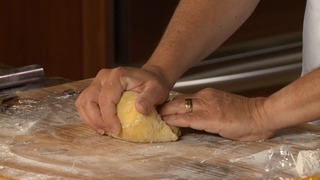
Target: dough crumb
x=308 y=163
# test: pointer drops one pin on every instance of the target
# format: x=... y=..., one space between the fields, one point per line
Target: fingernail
x=114 y=131
x=100 y=131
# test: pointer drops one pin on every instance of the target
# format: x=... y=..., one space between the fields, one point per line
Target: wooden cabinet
x=69 y=38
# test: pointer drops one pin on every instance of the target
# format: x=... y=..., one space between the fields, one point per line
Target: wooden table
x=42 y=137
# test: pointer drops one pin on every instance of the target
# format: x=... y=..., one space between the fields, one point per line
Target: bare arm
x=247 y=119
x=197 y=28
x=297 y=103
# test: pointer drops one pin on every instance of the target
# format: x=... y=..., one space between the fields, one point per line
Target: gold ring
x=188 y=105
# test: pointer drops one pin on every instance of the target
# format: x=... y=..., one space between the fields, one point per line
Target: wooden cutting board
x=42 y=137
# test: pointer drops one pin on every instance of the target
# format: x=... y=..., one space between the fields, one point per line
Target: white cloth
x=311 y=37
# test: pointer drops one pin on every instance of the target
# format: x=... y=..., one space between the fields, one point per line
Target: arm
x=248 y=119
x=299 y=102
x=197 y=28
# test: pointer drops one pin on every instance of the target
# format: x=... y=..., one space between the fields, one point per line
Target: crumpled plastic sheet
x=280 y=164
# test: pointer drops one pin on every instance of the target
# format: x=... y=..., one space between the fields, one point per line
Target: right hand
x=230 y=115
x=97 y=103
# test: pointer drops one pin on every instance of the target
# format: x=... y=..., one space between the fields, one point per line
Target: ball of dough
x=137 y=127
x=308 y=163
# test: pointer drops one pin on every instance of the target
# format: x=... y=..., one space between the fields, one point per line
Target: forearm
x=297 y=103
x=197 y=28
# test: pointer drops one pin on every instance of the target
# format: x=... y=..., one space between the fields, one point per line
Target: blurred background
x=74 y=39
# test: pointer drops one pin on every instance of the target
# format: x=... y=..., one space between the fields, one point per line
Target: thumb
x=147 y=99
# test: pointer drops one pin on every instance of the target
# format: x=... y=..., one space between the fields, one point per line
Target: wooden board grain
x=42 y=137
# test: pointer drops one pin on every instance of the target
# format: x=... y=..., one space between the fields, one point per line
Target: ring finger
x=179 y=105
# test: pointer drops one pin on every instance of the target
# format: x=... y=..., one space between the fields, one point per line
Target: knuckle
x=77 y=103
x=102 y=72
x=80 y=104
x=118 y=71
x=108 y=76
x=205 y=92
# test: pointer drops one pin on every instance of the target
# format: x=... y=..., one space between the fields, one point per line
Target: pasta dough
x=137 y=127
x=308 y=163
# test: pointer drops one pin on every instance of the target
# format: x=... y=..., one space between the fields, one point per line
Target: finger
x=88 y=108
x=109 y=97
x=178 y=106
x=192 y=120
x=148 y=98
x=92 y=117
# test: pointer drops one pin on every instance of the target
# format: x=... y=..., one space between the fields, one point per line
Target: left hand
x=97 y=103
x=229 y=115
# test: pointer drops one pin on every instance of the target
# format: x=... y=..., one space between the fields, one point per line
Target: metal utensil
x=21 y=76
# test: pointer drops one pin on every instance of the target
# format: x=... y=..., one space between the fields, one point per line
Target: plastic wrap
x=282 y=163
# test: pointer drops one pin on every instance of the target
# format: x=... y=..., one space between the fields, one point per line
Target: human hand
x=229 y=115
x=97 y=103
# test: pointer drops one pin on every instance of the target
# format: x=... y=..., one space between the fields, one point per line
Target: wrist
x=160 y=73
x=277 y=115
x=262 y=117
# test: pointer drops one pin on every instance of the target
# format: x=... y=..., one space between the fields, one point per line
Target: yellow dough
x=137 y=127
